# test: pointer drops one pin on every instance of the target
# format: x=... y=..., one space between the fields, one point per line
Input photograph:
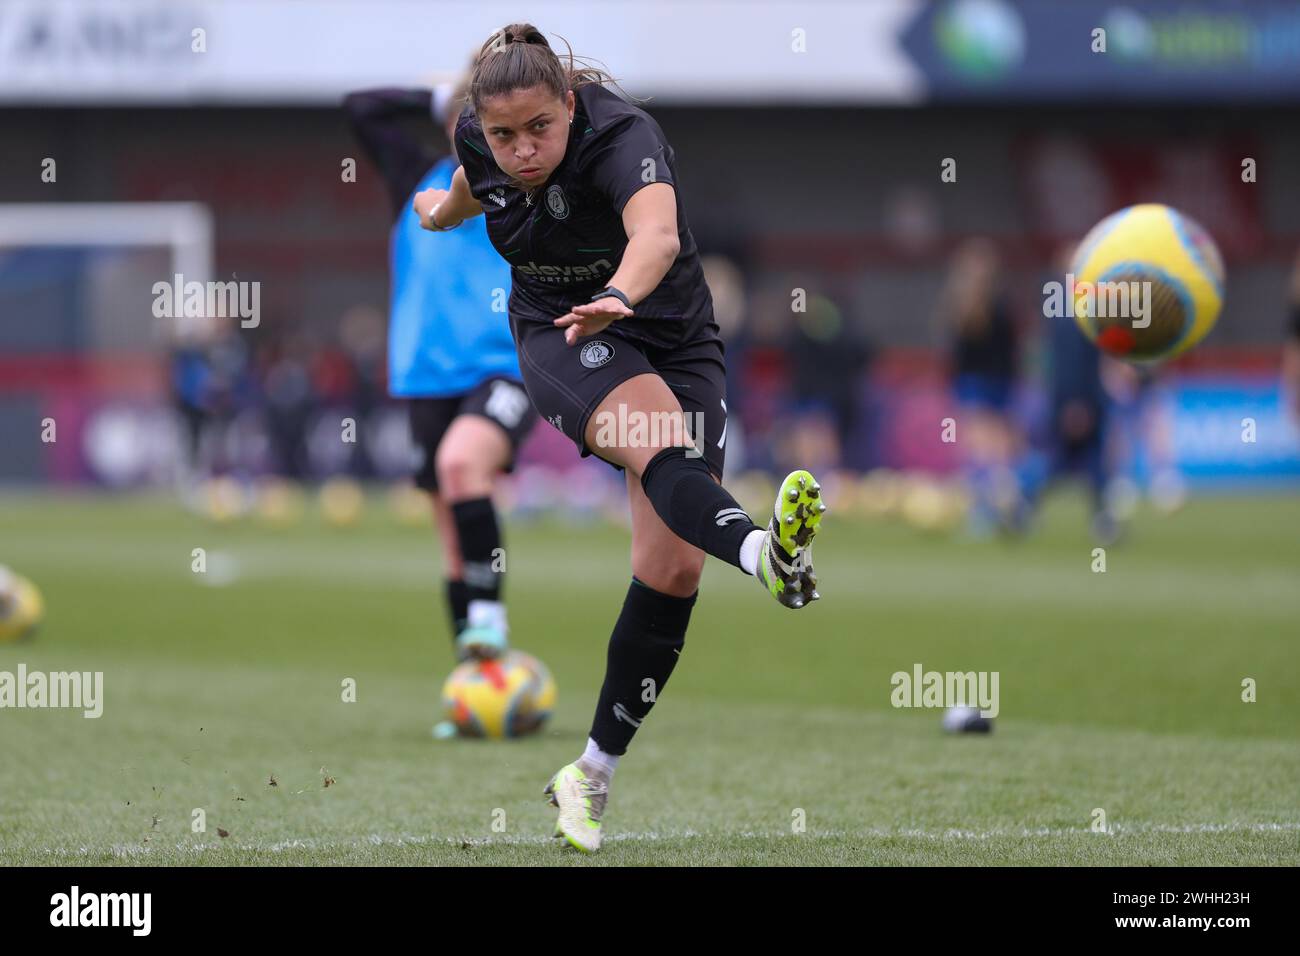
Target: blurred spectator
x=290 y=398
x=1142 y=440
x=211 y=382
x=984 y=362
x=725 y=278
x=827 y=362
x=1077 y=415
x=362 y=332
x=758 y=376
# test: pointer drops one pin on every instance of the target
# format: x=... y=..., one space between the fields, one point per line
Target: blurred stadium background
x=816 y=170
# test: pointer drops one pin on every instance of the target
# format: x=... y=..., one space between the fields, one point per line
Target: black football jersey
x=566 y=244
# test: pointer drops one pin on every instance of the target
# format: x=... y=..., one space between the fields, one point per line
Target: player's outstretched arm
x=378 y=119
x=650 y=220
x=454 y=205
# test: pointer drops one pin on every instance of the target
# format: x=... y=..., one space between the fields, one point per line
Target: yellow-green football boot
x=785 y=565
x=581 y=798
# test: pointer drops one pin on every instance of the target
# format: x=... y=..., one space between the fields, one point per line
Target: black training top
x=565 y=244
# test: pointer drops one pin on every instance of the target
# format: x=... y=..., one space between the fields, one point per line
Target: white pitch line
x=391 y=840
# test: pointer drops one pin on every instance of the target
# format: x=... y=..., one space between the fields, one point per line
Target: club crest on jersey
x=556 y=203
x=595 y=354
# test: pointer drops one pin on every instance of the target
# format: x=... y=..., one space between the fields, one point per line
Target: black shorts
x=567 y=383
x=499 y=399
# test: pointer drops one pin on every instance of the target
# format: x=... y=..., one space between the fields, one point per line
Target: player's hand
x=425 y=201
x=591 y=317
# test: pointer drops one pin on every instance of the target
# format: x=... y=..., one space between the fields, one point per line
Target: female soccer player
x=614 y=327
x=450 y=354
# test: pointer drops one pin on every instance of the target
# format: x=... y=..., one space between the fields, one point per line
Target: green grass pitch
x=1119 y=691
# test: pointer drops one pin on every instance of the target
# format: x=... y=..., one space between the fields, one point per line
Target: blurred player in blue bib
x=450 y=354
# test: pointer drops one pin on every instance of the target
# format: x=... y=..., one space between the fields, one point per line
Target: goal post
x=182 y=231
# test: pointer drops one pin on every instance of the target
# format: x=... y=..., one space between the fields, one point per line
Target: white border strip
x=400 y=840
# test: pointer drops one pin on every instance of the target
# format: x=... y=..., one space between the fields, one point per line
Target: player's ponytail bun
x=519 y=57
x=516 y=33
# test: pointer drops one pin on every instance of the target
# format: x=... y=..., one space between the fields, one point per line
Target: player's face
x=528 y=131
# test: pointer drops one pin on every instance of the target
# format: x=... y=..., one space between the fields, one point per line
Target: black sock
x=695 y=507
x=480 y=537
x=457 y=606
x=648 y=636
